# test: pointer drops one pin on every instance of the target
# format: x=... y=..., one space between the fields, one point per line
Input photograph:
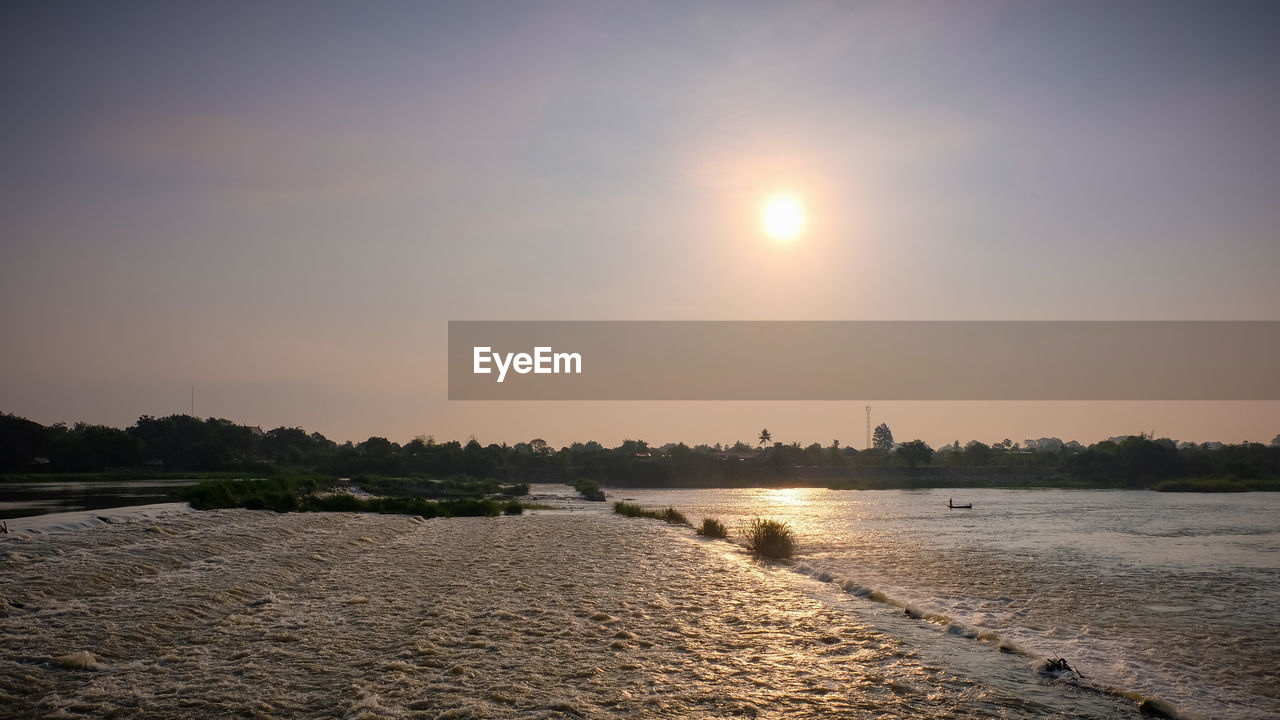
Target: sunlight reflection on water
x=1062 y=573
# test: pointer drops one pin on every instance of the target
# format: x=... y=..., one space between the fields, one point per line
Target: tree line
x=189 y=444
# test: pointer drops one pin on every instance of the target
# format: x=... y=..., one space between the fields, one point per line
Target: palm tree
x=765 y=437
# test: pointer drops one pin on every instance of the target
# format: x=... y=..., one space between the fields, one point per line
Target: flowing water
x=163 y=612
x=1171 y=595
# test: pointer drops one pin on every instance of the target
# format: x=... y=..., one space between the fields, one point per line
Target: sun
x=782 y=217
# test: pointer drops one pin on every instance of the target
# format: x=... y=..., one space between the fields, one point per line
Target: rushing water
x=1173 y=595
x=164 y=612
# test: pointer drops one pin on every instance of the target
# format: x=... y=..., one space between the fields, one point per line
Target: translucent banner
x=929 y=360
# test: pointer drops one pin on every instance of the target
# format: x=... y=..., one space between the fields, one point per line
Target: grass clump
x=513 y=507
x=627 y=509
x=770 y=539
x=713 y=528
x=670 y=515
x=673 y=516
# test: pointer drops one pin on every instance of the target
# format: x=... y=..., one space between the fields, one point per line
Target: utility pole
x=868 y=446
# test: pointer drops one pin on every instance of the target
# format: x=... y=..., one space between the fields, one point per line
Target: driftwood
x=1059 y=665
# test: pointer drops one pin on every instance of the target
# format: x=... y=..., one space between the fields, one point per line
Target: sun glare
x=782 y=217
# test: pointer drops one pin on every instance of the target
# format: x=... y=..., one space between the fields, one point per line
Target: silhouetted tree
x=882 y=438
x=915 y=452
x=977 y=453
x=21 y=441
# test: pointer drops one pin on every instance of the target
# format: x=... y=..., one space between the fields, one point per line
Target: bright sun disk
x=782 y=217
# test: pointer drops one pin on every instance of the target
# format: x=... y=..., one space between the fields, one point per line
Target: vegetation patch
x=1218 y=484
x=459 y=485
x=713 y=528
x=673 y=516
x=589 y=489
x=299 y=494
x=282 y=494
x=770 y=539
x=670 y=514
x=629 y=509
x=462 y=507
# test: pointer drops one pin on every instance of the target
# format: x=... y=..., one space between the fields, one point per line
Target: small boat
x=953 y=506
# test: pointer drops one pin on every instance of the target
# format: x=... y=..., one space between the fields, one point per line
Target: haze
x=283 y=204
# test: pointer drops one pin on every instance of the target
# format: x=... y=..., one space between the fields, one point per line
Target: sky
x=283 y=204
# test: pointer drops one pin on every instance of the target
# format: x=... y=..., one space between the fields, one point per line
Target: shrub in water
x=713 y=528
x=589 y=489
x=670 y=515
x=770 y=539
x=673 y=516
x=628 y=509
x=280 y=494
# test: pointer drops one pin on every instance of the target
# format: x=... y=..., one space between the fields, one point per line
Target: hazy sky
x=284 y=203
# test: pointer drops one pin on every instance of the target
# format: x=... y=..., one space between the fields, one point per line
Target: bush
x=770 y=539
x=713 y=528
x=589 y=489
x=513 y=507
